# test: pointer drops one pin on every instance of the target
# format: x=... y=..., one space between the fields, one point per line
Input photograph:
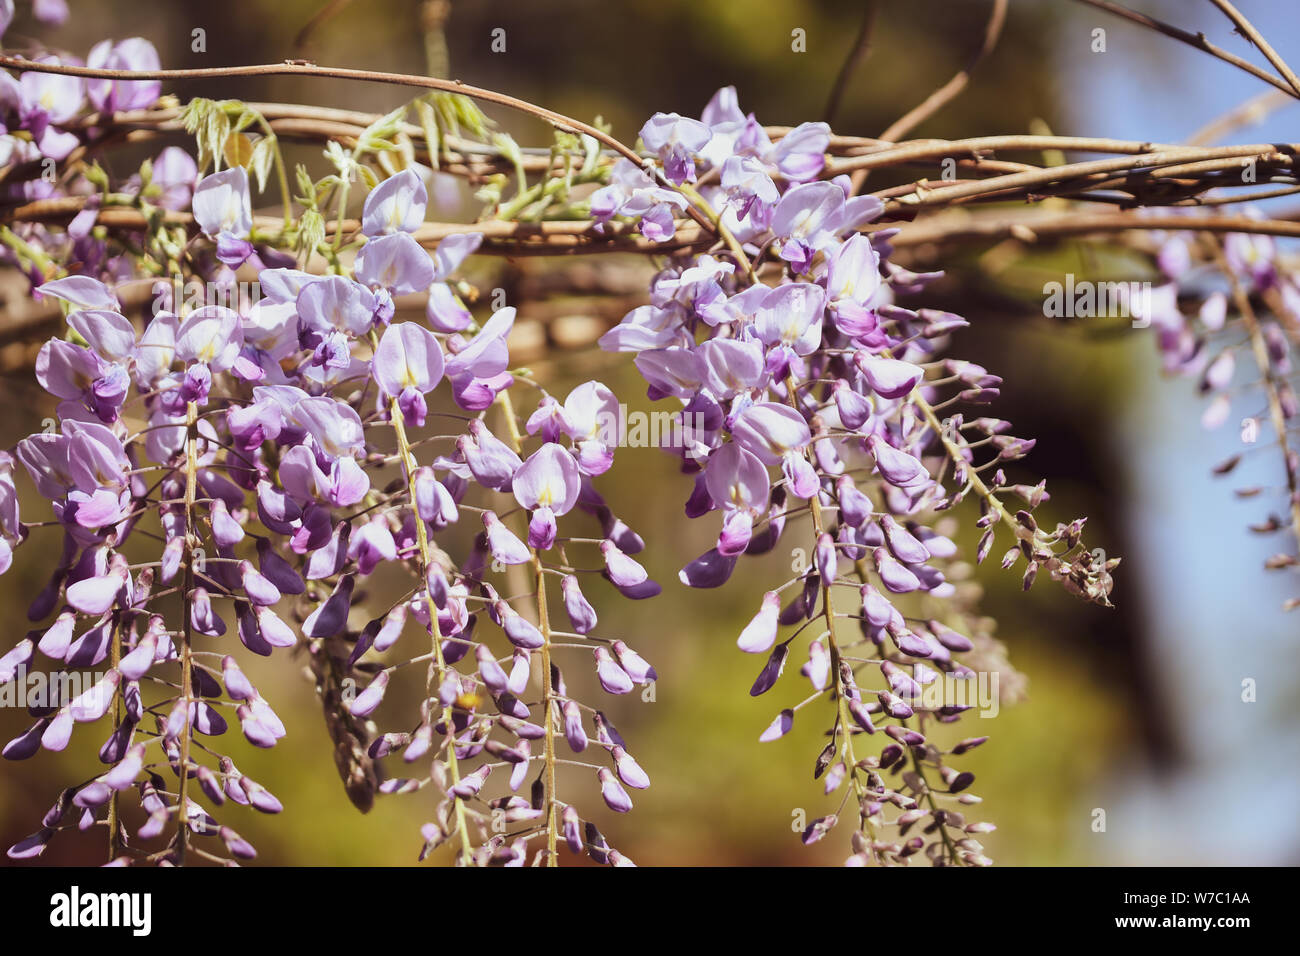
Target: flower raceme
x=220 y=474
x=825 y=392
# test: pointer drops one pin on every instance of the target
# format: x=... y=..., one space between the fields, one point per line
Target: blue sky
x=1212 y=613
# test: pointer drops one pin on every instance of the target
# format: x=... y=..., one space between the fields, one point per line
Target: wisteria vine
x=266 y=462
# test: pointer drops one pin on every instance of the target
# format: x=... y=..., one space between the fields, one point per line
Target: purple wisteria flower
x=223 y=211
x=110 y=96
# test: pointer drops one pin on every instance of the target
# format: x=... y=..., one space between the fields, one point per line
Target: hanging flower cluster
x=806 y=389
x=1247 y=301
x=219 y=475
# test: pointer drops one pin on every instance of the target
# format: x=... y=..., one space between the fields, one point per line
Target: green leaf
x=262 y=158
x=379 y=134
x=306 y=187
x=212 y=142
x=311 y=231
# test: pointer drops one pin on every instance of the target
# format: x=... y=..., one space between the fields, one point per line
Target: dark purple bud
x=606 y=733
x=860 y=714
x=818 y=829
x=709 y=570
x=332 y=616
x=894 y=706
x=905 y=736
x=910 y=643
x=700 y=501
x=277 y=570
x=771 y=671
x=597 y=848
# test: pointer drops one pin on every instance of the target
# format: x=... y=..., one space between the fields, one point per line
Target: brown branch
x=500 y=237
x=948 y=193
x=561 y=122
x=952 y=229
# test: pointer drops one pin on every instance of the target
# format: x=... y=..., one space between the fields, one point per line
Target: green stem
x=187 y=660
x=115 y=846
x=548 y=691
x=422 y=539
x=844 y=716
x=281 y=175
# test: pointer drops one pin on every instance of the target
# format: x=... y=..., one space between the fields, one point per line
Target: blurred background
x=1136 y=710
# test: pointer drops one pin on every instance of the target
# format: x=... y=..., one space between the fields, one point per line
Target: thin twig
x=860 y=50
x=1247 y=29
x=1197 y=40
x=551 y=800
